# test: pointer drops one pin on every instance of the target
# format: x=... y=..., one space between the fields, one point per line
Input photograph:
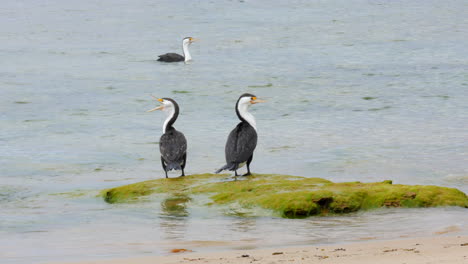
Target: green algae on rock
x=133 y=192
x=292 y=196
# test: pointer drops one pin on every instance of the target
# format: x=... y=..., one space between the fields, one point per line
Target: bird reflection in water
x=175 y=205
x=174 y=216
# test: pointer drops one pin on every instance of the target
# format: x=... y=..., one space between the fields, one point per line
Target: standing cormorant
x=174 y=57
x=172 y=144
x=242 y=140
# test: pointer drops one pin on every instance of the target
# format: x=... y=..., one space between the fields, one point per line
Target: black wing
x=241 y=143
x=171 y=57
x=173 y=146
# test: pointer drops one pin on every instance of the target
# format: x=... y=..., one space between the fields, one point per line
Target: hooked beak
x=256 y=100
x=161 y=107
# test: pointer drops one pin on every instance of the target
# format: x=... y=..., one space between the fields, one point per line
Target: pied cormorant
x=242 y=140
x=172 y=144
x=174 y=57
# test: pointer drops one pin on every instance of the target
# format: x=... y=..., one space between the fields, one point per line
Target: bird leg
x=248 y=166
x=183 y=165
x=248 y=171
x=164 y=166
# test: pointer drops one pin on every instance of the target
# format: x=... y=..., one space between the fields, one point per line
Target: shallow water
x=363 y=91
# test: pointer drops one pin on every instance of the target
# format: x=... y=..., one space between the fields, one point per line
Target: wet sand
x=439 y=249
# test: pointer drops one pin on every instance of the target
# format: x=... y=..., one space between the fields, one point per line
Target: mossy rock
x=292 y=196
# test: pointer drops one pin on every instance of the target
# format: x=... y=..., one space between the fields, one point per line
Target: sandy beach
x=446 y=249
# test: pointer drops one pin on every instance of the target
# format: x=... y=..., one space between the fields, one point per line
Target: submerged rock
x=292 y=196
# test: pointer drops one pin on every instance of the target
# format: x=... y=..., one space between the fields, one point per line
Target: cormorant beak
x=161 y=107
x=255 y=100
x=193 y=40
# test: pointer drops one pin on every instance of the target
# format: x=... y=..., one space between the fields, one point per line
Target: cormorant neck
x=245 y=115
x=172 y=114
x=187 y=56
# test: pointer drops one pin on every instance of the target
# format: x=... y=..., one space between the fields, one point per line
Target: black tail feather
x=173 y=166
x=230 y=166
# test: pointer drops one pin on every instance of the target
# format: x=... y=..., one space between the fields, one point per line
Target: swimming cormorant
x=174 y=57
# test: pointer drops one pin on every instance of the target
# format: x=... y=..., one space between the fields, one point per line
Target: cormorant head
x=171 y=108
x=188 y=40
x=248 y=99
x=167 y=104
x=242 y=106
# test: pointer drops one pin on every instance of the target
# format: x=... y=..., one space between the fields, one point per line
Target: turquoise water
x=363 y=91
